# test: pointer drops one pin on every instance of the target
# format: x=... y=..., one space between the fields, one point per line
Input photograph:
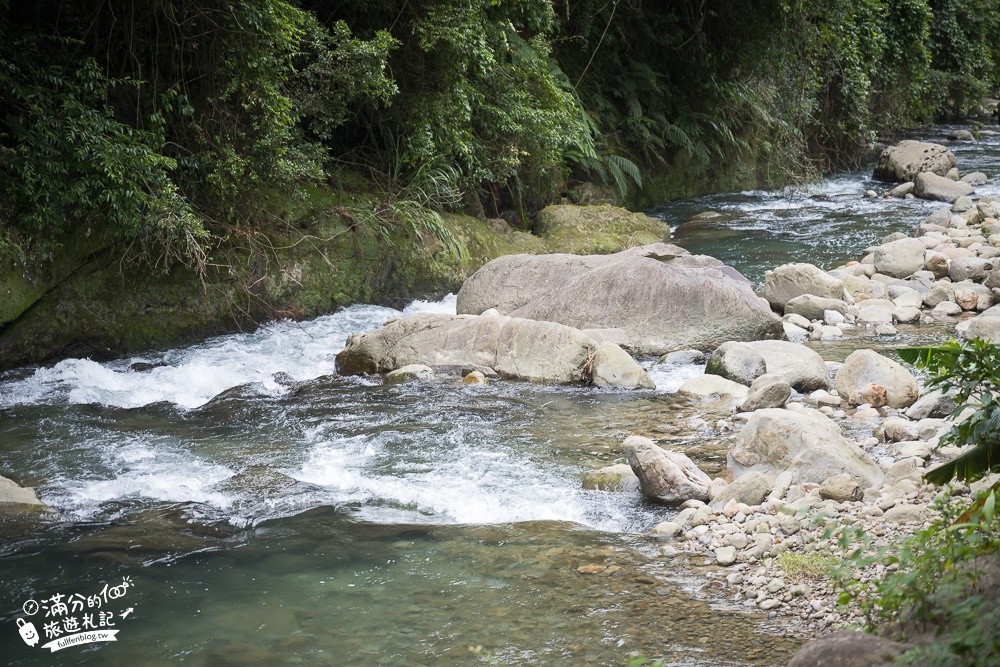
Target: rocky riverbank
x=813 y=460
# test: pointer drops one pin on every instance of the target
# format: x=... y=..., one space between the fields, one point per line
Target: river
x=251 y=507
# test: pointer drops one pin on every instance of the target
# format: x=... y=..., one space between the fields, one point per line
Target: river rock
x=902 y=162
x=946 y=309
x=873 y=311
x=14 y=498
x=867 y=367
x=614 y=367
x=715 y=387
x=665 y=476
x=509 y=282
x=981 y=327
x=737 y=362
x=901 y=190
x=935 y=403
x=663 y=298
x=906 y=315
x=805 y=443
x=813 y=307
x=976 y=178
x=801 y=367
x=937 y=263
x=788 y=281
x=938 y=188
x=941 y=292
x=750 y=488
x=515 y=348
x=618 y=477
x=848 y=648
x=725 y=556
x=767 y=391
x=906 y=514
x=409 y=374
x=900 y=259
x=969 y=268
x=840 y=488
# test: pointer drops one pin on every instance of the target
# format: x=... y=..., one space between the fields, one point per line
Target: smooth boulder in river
x=665 y=476
x=514 y=348
x=866 y=368
x=661 y=298
x=902 y=162
x=807 y=444
x=801 y=367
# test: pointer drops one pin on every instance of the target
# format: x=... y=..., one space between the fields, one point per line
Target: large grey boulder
x=660 y=297
x=938 y=188
x=864 y=368
x=514 y=348
x=799 y=366
x=849 y=648
x=507 y=283
x=806 y=443
x=788 y=281
x=900 y=259
x=902 y=162
x=665 y=476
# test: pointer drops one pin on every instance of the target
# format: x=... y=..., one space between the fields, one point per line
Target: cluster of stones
x=796 y=479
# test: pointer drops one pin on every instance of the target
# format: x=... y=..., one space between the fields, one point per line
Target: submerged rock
x=665 y=476
x=16 y=499
x=515 y=348
x=618 y=477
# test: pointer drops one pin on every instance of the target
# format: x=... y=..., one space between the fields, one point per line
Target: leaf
x=968 y=466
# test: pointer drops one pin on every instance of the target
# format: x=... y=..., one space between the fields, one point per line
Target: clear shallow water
x=825 y=223
x=269 y=512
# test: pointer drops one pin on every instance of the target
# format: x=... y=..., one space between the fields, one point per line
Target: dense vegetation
x=159 y=124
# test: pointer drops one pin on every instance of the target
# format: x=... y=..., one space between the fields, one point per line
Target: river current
x=252 y=507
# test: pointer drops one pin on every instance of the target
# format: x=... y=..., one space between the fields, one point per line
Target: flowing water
x=245 y=505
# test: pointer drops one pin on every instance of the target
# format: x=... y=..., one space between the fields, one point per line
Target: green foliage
x=67 y=162
x=965 y=36
x=931 y=581
x=972 y=370
x=413 y=201
x=802 y=567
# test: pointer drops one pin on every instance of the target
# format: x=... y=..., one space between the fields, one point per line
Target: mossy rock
x=596 y=230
